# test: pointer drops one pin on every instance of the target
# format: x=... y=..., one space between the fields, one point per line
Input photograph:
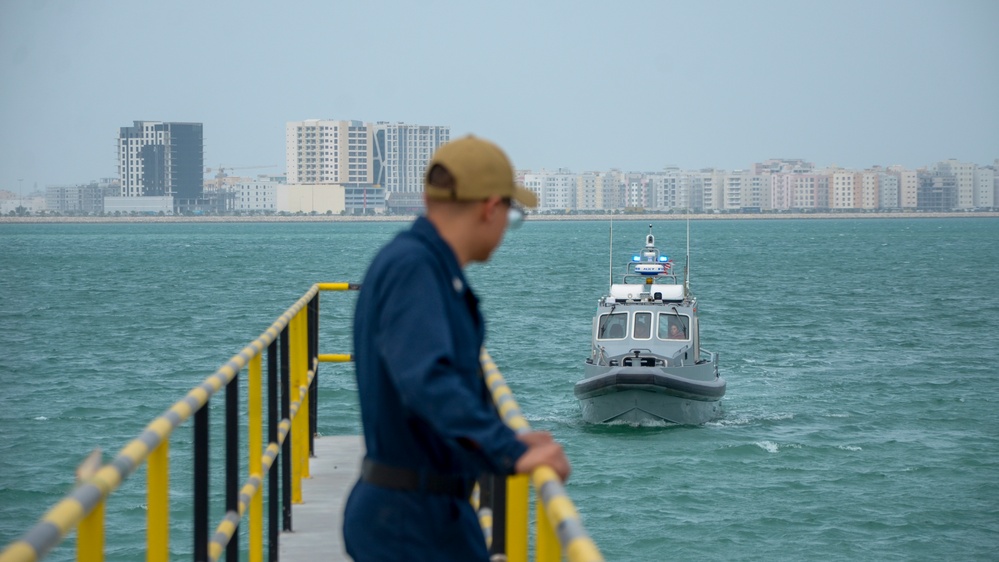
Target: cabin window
x=674 y=327
x=613 y=326
x=643 y=326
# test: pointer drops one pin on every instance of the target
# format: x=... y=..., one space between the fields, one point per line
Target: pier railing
x=292 y=361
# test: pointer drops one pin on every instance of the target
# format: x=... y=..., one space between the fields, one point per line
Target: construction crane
x=221 y=171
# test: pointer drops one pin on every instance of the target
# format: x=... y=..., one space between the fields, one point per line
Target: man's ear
x=489 y=207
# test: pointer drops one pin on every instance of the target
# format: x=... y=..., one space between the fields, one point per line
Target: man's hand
x=542 y=450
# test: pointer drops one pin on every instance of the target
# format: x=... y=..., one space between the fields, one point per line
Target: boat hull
x=641 y=395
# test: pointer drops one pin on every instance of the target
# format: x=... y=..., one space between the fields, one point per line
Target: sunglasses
x=515 y=215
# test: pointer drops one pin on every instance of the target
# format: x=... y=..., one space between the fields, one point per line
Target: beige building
x=321 y=199
x=870 y=189
x=319 y=151
x=844 y=190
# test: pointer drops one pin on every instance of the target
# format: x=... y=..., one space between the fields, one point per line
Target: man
x=430 y=428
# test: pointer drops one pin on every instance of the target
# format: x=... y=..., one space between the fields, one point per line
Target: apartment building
x=888 y=193
x=908 y=186
x=869 y=189
x=556 y=190
x=985 y=188
x=319 y=152
x=254 y=194
x=938 y=191
x=964 y=181
x=588 y=196
x=378 y=164
x=85 y=199
x=164 y=159
x=712 y=190
x=844 y=190
x=402 y=152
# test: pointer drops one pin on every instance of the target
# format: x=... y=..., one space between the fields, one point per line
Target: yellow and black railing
x=559 y=528
x=293 y=358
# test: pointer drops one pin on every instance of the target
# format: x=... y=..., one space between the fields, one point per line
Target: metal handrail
x=83 y=508
x=557 y=516
x=296 y=334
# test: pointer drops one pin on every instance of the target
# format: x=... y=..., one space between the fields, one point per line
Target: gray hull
x=640 y=395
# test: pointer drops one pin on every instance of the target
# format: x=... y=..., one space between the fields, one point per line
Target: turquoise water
x=861 y=420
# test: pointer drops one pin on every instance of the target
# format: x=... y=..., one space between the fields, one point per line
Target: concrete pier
x=317 y=522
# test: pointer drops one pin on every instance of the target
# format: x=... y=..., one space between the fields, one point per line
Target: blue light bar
x=636 y=258
x=663 y=258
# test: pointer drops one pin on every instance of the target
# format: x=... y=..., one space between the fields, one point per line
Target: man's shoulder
x=406 y=248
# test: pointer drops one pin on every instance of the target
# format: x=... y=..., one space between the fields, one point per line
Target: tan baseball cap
x=480 y=170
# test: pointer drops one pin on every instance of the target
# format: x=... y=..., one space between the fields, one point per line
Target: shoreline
x=531 y=217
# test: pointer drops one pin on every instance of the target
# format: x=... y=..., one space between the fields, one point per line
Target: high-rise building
x=402 y=152
x=157 y=158
x=376 y=161
x=322 y=151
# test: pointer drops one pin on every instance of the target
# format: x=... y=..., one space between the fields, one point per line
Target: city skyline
x=577 y=85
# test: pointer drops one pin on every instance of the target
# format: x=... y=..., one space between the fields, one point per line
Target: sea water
x=861 y=419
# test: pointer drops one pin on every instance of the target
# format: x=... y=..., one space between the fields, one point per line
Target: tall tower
x=403 y=151
x=160 y=158
x=324 y=151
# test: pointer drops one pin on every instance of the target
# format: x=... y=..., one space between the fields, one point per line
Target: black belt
x=374 y=472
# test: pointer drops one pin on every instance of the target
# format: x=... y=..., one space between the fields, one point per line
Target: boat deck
x=317 y=522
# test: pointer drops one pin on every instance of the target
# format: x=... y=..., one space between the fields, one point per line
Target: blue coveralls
x=424 y=404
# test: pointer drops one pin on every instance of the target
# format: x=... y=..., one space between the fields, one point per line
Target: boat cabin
x=643 y=325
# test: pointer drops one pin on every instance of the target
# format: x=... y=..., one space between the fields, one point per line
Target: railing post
x=497 y=501
x=232 y=461
x=158 y=503
x=254 y=408
x=286 y=447
x=273 y=487
x=201 y=483
x=517 y=503
x=313 y=360
x=90 y=536
x=300 y=425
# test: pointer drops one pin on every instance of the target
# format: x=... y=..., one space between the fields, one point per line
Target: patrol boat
x=646 y=363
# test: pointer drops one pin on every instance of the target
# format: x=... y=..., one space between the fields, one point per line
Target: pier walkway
x=317 y=523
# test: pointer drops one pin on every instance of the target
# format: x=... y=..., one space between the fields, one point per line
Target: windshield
x=673 y=327
x=613 y=326
x=643 y=326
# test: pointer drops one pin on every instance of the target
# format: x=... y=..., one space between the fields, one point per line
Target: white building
x=401 y=154
x=556 y=191
x=253 y=195
x=888 y=194
x=985 y=181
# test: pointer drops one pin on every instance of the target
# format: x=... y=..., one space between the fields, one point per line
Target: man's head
x=469 y=190
x=479 y=169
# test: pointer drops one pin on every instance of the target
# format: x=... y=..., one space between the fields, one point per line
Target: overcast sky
x=577 y=84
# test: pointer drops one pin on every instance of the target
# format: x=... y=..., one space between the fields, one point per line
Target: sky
x=582 y=85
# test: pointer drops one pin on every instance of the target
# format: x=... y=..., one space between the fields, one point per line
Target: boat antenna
x=686 y=267
x=610 y=268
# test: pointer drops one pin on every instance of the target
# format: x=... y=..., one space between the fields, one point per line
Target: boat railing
x=668 y=278
x=277 y=467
